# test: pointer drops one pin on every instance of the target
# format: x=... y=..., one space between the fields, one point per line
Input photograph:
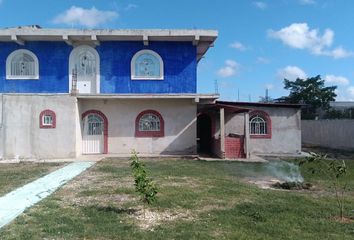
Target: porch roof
x=228 y=108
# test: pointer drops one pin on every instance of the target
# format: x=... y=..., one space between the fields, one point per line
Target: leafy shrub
x=144 y=186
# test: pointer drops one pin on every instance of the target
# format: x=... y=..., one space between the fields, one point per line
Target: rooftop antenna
x=266 y=95
x=238 y=94
x=216 y=86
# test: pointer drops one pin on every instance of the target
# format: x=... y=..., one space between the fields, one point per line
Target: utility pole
x=216 y=86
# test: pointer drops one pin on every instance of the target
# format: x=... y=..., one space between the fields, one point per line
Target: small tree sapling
x=144 y=186
x=334 y=170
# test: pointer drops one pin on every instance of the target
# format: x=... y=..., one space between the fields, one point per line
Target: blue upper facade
x=179 y=67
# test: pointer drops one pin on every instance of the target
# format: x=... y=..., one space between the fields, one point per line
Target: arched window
x=22 y=64
x=47 y=119
x=147 y=65
x=260 y=125
x=149 y=123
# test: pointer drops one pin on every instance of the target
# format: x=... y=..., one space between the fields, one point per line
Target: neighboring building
x=250 y=128
x=68 y=92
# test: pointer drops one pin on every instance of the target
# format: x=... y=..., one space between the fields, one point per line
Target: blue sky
x=259 y=43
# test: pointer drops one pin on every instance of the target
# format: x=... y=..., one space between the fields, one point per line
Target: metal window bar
x=258 y=126
x=149 y=122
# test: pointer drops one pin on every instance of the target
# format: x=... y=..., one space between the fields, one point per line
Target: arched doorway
x=204 y=133
x=95 y=132
x=85 y=62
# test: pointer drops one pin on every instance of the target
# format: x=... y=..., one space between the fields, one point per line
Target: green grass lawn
x=14 y=175
x=196 y=200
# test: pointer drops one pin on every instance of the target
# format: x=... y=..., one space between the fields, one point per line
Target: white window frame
x=44 y=117
x=132 y=65
x=9 y=60
x=262 y=121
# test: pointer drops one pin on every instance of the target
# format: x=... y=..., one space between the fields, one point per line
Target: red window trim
x=47 y=112
x=160 y=133
x=267 y=118
x=105 y=127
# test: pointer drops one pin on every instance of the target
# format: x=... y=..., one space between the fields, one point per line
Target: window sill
x=264 y=136
x=21 y=78
x=149 y=134
x=145 y=78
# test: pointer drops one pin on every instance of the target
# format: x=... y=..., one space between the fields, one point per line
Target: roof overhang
x=259 y=104
x=195 y=97
x=202 y=39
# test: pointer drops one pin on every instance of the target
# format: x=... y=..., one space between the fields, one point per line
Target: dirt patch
x=346 y=220
x=263 y=183
x=179 y=182
x=148 y=219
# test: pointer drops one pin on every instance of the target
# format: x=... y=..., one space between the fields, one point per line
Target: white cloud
x=291 y=73
x=85 y=17
x=300 y=36
x=263 y=60
x=338 y=52
x=230 y=69
x=307 y=2
x=350 y=91
x=130 y=6
x=260 y=5
x=238 y=46
x=338 y=80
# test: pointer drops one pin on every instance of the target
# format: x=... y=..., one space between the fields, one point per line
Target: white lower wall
x=23 y=138
x=179 y=117
x=336 y=133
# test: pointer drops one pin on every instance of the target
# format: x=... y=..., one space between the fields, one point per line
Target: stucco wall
x=180 y=125
x=115 y=57
x=22 y=137
x=336 y=133
x=286 y=130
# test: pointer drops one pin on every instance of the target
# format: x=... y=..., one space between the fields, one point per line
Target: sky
x=260 y=42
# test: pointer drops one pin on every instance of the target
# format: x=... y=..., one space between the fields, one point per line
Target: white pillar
x=222 y=131
x=247 y=135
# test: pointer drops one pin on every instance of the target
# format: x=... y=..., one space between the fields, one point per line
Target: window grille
x=147 y=64
x=47 y=120
x=149 y=122
x=95 y=125
x=258 y=126
x=22 y=64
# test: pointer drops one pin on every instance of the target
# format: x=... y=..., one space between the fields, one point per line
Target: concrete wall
x=23 y=138
x=180 y=125
x=338 y=133
x=286 y=130
x=179 y=58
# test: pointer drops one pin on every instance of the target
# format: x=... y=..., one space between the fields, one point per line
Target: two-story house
x=67 y=92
